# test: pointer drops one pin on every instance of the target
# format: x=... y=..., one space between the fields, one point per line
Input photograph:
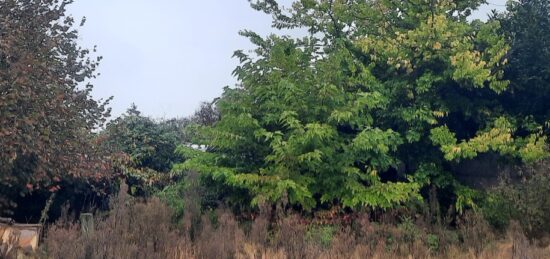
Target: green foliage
x=432 y=175
x=321 y=119
x=173 y=195
x=150 y=144
x=321 y=235
x=147 y=148
x=498 y=138
x=466 y=198
x=410 y=230
x=433 y=242
x=526 y=25
x=524 y=201
x=498 y=211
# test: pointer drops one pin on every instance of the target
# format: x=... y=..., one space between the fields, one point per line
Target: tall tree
x=377 y=102
x=46 y=111
x=526 y=25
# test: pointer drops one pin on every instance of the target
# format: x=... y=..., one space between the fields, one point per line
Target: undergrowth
x=145 y=229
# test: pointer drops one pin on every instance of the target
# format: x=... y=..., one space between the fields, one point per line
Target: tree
x=526 y=25
x=206 y=115
x=149 y=143
x=377 y=102
x=46 y=111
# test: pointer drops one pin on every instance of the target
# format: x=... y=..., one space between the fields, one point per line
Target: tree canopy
x=378 y=101
x=46 y=111
x=149 y=143
x=526 y=25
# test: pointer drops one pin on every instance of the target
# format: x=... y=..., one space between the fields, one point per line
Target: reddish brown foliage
x=46 y=112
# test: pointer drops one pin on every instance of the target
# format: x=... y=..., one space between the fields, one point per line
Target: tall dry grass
x=144 y=229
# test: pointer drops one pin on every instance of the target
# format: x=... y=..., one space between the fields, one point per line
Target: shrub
x=321 y=235
x=525 y=201
x=433 y=242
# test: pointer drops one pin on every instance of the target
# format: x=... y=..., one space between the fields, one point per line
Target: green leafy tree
x=46 y=111
x=149 y=143
x=149 y=147
x=526 y=25
x=377 y=102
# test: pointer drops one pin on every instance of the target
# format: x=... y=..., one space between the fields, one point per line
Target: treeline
x=372 y=111
x=378 y=106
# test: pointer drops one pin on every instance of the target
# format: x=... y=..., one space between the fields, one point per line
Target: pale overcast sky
x=169 y=55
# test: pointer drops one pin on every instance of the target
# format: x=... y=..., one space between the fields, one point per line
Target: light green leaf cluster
x=497 y=139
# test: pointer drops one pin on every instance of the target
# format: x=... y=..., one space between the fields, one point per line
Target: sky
x=167 y=56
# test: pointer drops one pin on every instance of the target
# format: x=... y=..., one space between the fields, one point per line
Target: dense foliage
x=377 y=105
x=46 y=112
x=147 y=148
x=381 y=99
x=150 y=144
x=522 y=201
x=526 y=25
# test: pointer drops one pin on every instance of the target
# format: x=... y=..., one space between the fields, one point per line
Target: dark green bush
x=525 y=201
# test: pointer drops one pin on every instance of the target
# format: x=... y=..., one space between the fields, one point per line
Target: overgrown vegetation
x=136 y=229
x=522 y=200
x=346 y=142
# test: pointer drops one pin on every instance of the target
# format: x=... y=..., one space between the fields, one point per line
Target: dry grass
x=144 y=230
x=131 y=230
